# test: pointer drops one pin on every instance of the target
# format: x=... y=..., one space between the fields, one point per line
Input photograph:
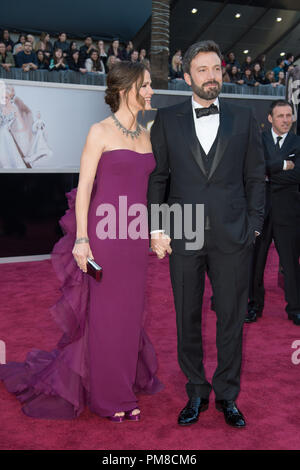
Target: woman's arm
x=23 y=108
x=90 y=157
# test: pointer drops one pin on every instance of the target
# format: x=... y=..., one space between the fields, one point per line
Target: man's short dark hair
x=289 y=56
x=279 y=60
x=281 y=103
x=195 y=49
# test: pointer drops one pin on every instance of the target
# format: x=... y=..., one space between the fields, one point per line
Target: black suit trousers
x=287 y=242
x=258 y=264
x=229 y=276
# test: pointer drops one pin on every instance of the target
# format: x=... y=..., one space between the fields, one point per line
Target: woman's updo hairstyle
x=122 y=76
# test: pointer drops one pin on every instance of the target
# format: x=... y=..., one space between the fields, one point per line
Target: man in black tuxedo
x=282 y=213
x=212 y=153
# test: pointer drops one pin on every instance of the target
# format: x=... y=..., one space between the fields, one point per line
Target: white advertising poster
x=43 y=126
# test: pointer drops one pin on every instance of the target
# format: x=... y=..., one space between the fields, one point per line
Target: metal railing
x=69 y=76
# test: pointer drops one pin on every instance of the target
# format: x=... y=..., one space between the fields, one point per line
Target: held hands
x=81 y=252
x=160 y=244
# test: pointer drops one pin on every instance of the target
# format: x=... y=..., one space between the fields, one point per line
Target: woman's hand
x=81 y=252
x=160 y=244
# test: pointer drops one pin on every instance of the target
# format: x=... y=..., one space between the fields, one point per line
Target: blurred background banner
x=44 y=126
x=48 y=124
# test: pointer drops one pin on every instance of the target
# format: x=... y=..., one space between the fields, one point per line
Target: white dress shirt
x=274 y=135
x=206 y=127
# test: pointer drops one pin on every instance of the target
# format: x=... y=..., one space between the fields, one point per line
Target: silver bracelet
x=82 y=240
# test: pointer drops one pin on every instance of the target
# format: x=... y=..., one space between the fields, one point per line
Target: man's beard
x=210 y=94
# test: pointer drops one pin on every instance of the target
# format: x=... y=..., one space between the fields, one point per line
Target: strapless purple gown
x=104 y=356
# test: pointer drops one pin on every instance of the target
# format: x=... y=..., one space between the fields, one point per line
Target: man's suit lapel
x=224 y=135
x=186 y=120
x=269 y=143
x=187 y=125
x=288 y=143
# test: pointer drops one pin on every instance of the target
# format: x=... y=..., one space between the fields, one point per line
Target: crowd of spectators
x=253 y=72
x=91 y=57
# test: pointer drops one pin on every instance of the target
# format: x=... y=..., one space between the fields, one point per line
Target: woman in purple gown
x=104 y=356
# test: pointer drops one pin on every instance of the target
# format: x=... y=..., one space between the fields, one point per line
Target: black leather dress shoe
x=191 y=411
x=232 y=414
x=252 y=315
x=295 y=317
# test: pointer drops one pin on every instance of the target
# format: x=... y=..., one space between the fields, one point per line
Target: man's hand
x=289 y=165
x=160 y=244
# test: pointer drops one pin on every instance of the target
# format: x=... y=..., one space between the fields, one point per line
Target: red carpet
x=269 y=397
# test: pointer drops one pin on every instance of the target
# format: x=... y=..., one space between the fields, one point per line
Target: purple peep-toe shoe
x=116 y=419
x=132 y=417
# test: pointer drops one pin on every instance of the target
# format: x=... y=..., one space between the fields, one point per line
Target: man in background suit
x=282 y=213
x=213 y=154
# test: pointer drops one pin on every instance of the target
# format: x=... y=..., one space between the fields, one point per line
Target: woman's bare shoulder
x=100 y=131
x=101 y=127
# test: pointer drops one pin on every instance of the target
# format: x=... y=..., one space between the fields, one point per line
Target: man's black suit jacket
x=284 y=184
x=233 y=192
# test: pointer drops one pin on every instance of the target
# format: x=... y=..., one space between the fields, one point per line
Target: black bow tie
x=212 y=109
